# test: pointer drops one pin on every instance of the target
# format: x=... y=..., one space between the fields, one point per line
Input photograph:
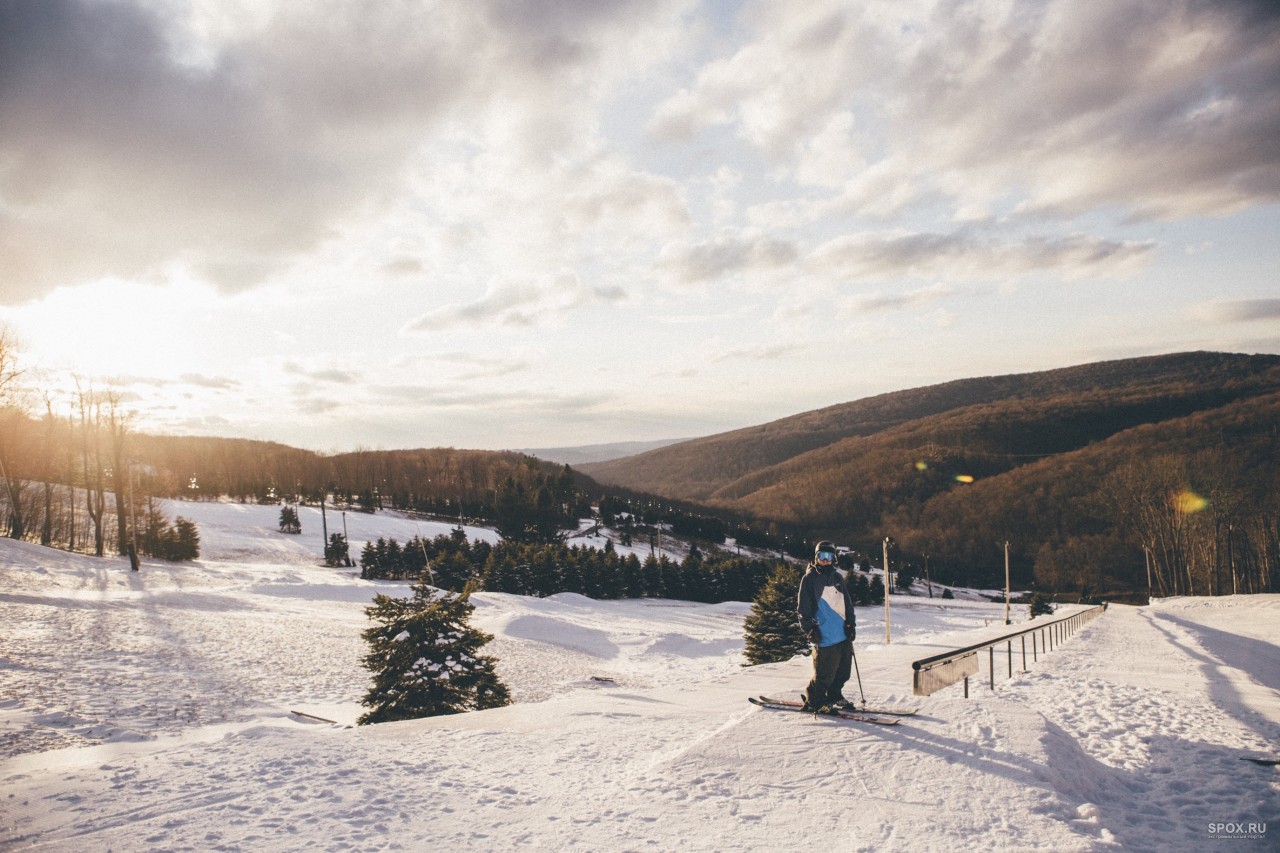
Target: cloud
x=333 y=375
x=875 y=303
x=198 y=380
x=220 y=383
x=1055 y=108
x=769 y=353
x=135 y=137
x=404 y=266
x=960 y=256
x=1238 y=310
x=607 y=193
x=518 y=303
x=316 y=405
x=118 y=158
x=729 y=254
x=780 y=89
x=522 y=402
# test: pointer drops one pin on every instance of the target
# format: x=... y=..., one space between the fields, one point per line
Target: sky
x=499 y=224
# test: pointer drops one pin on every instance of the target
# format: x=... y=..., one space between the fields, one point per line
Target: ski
x=899 y=712
x=843 y=715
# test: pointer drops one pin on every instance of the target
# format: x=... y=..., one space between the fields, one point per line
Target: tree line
x=1190 y=507
x=951 y=470
x=70 y=479
x=452 y=561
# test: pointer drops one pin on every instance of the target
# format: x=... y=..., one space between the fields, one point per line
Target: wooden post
x=886 y=590
x=1006 y=582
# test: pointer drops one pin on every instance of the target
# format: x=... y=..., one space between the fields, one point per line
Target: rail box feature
x=945 y=673
x=931 y=674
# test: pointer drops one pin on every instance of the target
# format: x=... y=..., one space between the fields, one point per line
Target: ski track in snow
x=151 y=712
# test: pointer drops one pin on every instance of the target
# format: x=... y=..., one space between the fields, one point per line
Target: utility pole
x=345 y=539
x=324 y=523
x=888 y=540
x=927 y=582
x=1006 y=581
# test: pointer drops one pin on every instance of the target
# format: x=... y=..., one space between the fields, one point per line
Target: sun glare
x=1188 y=501
x=113 y=327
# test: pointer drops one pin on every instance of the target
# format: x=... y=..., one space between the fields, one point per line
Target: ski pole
x=855 y=669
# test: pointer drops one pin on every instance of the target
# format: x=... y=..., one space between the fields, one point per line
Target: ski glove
x=850 y=630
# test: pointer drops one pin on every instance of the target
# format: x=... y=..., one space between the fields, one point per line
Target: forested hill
x=1082 y=468
x=1045 y=412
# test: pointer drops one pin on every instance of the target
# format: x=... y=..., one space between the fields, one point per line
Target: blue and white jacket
x=824 y=603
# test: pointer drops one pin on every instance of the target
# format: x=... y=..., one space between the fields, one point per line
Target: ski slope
x=153 y=711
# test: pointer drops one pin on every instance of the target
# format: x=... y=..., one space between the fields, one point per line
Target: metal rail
x=942 y=670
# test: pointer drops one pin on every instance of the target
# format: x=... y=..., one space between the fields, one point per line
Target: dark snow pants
x=831 y=668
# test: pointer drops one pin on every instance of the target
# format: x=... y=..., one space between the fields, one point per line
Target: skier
x=827 y=619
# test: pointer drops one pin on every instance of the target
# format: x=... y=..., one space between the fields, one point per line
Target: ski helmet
x=823 y=548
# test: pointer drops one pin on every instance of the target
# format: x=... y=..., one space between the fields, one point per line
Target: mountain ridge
x=708 y=468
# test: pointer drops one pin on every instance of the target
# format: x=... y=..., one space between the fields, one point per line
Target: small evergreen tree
x=289 y=521
x=772 y=629
x=335 y=551
x=875 y=593
x=425 y=658
x=1038 y=606
x=173 y=542
x=904 y=578
x=859 y=588
x=186 y=540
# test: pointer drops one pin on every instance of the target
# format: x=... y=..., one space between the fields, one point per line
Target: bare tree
x=90 y=405
x=12 y=421
x=117 y=424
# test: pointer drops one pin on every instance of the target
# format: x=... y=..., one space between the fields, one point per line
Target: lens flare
x=1188 y=501
x=964 y=478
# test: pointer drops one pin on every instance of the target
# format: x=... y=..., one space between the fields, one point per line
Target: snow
x=152 y=711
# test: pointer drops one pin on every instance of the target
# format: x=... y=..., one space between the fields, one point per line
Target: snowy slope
x=151 y=711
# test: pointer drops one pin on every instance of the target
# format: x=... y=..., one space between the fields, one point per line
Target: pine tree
x=876 y=592
x=186 y=539
x=904 y=578
x=859 y=588
x=289 y=521
x=335 y=552
x=1038 y=606
x=425 y=658
x=773 y=627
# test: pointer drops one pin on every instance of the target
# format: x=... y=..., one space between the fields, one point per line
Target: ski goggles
x=826 y=556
